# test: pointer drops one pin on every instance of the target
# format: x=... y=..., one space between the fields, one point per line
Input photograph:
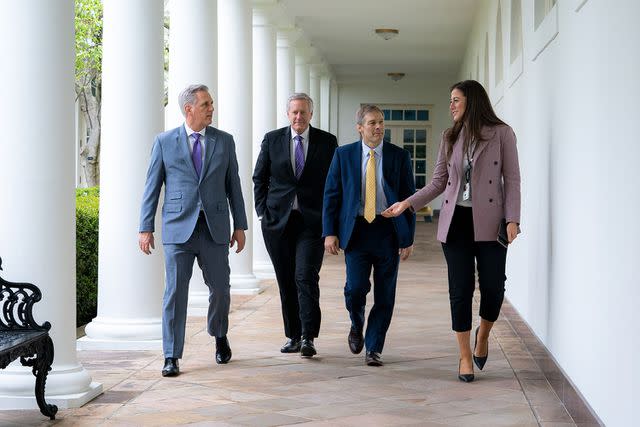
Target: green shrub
x=87 y=201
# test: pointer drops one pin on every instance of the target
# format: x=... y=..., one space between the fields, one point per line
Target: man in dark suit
x=198 y=167
x=288 y=186
x=365 y=178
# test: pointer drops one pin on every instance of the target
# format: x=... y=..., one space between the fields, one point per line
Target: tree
x=88 y=27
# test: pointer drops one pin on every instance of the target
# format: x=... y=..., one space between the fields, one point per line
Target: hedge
x=87 y=201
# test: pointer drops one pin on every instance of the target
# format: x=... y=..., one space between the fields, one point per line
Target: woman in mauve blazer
x=478 y=174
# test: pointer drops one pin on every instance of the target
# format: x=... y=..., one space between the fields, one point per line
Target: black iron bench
x=21 y=336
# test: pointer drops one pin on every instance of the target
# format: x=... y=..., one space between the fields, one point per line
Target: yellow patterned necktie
x=370 y=189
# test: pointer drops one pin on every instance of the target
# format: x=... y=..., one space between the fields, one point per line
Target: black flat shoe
x=373 y=358
x=356 y=341
x=465 y=378
x=223 y=351
x=171 y=368
x=291 y=346
x=307 y=349
x=479 y=361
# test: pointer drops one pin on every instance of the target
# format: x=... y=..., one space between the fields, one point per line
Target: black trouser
x=463 y=254
x=296 y=255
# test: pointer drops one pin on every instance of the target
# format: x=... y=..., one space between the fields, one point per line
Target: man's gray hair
x=366 y=109
x=300 y=96
x=188 y=96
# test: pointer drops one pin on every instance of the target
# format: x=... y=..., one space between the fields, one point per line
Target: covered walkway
x=262 y=387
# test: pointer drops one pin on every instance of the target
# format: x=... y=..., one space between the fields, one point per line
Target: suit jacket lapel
x=356 y=159
x=183 y=148
x=313 y=149
x=285 y=147
x=211 y=138
x=487 y=134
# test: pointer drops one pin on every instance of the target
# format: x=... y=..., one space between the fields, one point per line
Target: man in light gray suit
x=197 y=165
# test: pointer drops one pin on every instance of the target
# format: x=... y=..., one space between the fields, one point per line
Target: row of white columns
x=227 y=41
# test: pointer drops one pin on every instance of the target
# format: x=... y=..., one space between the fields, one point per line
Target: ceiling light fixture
x=386 y=33
x=395 y=76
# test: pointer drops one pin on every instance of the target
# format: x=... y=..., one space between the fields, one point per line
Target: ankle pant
x=463 y=254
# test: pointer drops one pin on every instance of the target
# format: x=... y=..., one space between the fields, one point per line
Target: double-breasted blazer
x=217 y=191
x=275 y=185
x=495 y=183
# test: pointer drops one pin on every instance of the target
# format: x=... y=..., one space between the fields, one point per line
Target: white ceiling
x=432 y=40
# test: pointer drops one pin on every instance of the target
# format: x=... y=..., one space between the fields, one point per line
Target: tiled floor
x=418 y=385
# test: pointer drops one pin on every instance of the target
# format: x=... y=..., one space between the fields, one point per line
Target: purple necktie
x=196 y=155
x=299 y=156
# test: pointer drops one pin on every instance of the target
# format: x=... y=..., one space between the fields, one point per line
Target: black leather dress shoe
x=291 y=346
x=171 y=368
x=465 y=378
x=307 y=349
x=223 y=351
x=356 y=341
x=478 y=360
x=373 y=358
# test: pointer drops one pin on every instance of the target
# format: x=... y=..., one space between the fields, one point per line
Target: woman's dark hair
x=478 y=113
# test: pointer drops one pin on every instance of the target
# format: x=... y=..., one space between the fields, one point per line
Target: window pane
x=421 y=151
x=408 y=135
x=421 y=135
x=396 y=115
x=420 y=181
x=387 y=114
x=421 y=166
x=387 y=134
x=409 y=148
x=423 y=114
x=409 y=114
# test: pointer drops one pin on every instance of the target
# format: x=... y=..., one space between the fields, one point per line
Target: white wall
x=413 y=89
x=573 y=272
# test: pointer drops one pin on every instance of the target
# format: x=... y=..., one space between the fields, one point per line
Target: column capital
x=286 y=36
x=265 y=13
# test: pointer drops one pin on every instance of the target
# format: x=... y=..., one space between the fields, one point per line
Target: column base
x=105 y=333
x=66 y=386
x=62 y=401
x=245 y=284
x=264 y=270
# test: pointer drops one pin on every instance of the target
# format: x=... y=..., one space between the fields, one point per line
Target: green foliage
x=88 y=26
x=87 y=201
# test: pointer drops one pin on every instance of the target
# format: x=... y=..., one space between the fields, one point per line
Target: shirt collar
x=366 y=149
x=304 y=135
x=190 y=131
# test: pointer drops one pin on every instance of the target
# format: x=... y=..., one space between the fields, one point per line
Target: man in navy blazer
x=365 y=178
x=197 y=165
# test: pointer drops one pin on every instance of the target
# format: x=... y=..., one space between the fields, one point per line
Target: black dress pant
x=296 y=255
x=463 y=253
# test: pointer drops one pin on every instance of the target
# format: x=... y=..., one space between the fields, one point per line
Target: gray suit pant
x=213 y=259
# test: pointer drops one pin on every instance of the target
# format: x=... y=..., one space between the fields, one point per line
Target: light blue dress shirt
x=381 y=199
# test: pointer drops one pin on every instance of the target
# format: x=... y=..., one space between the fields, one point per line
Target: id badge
x=466 y=194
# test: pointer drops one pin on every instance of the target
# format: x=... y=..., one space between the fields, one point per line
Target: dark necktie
x=196 y=155
x=299 y=156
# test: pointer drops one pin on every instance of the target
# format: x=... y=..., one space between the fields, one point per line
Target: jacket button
x=490 y=182
x=449 y=164
x=490 y=200
x=449 y=183
x=495 y=163
x=446 y=201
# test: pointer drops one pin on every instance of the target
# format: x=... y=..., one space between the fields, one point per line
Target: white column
x=235 y=116
x=314 y=93
x=130 y=284
x=334 y=110
x=264 y=114
x=37 y=188
x=286 y=73
x=302 y=70
x=325 y=101
x=193 y=59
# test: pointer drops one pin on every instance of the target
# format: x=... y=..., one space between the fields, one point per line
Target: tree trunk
x=90 y=144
